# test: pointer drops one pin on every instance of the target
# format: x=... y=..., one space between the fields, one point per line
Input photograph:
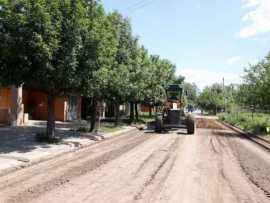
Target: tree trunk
x=116 y=113
x=131 y=112
x=93 y=114
x=156 y=108
x=136 y=111
x=215 y=110
x=150 y=111
x=51 y=117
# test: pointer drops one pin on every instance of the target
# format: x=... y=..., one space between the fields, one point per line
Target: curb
x=254 y=138
x=107 y=136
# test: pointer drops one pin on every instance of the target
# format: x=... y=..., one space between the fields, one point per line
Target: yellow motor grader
x=172 y=115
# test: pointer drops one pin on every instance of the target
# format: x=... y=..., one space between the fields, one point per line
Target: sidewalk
x=18 y=148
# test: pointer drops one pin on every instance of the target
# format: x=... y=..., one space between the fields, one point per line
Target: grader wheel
x=190 y=125
x=159 y=125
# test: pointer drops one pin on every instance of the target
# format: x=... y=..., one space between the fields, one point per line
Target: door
x=72 y=113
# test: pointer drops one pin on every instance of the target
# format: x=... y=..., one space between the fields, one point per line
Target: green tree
x=39 y=42
x=100 y=41
x=211 y=99
x=256 y=87
x=192 y=92
x=179 y=79
x=142 y=76
x=66 y=46
x=161 y=75
x=137 y=76
x=122 y=62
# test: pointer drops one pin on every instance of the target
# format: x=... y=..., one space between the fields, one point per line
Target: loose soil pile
x=209 y=124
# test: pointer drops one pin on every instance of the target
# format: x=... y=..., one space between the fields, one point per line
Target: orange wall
x=5 y=98
x=11 y=107
x=144 y=108
x=60 y=110
x=36 y=101
x=5 y=105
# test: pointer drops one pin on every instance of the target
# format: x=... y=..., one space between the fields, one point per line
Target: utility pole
x=224 y=96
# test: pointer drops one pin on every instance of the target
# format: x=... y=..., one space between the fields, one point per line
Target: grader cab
x=172 y=115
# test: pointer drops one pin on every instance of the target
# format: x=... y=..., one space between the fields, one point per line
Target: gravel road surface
x=213 y=166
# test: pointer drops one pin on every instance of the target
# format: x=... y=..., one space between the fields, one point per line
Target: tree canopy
x=74 y=46
x=211 y=99
x=255 y=90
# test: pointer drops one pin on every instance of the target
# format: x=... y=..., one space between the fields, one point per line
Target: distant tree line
x=67 y=46
x=253 y=93
x=211 y=99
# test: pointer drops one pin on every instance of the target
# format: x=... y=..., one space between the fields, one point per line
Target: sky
x=207 y=40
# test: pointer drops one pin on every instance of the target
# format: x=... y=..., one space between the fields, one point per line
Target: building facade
x=17 y=105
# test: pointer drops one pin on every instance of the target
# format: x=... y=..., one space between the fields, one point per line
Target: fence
x=252 y=119
x=250 y=111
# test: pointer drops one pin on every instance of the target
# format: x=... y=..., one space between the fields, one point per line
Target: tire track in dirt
x=58 y=162
x=160 y=184
x=213 y=146
x=79 y=170
x=170 y=155
x=231 y=146
x=245 y=169
x=117 y=178
x=17 y=177
x=235 y=147
x=163 y=149
x=223 y=146
x=151 y=179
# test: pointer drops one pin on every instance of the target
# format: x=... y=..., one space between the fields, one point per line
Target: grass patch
x=109 y=127
x=259 y=123
x=146 y=119
x=105 y=127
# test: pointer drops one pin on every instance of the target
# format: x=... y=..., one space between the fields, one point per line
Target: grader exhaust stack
x=173 y=115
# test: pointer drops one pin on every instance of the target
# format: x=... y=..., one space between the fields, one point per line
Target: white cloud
x=204 y=78
x=258 y=16
x=250 y=3
x=234 y=60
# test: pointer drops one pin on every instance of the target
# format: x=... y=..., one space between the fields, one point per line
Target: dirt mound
x=209 y=124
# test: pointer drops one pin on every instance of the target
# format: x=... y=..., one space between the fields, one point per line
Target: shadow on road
x=22 y=139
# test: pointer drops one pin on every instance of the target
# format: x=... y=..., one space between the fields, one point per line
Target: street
x=134 y=101
x=212 y=166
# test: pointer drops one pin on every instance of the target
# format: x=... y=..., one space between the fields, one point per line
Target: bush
x=43 y=138
x=259 y=123
x=222 y=118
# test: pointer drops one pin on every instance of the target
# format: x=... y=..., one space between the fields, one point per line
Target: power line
x=139 y=5
x=143 y=5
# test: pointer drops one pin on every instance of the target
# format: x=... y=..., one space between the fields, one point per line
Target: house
x=109 y=111
x=17 y=105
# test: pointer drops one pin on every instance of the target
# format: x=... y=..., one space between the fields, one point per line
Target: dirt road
x=145 y=167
